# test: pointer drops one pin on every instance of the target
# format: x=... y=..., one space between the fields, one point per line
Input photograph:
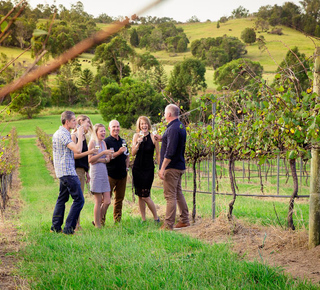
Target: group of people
x=104 y=162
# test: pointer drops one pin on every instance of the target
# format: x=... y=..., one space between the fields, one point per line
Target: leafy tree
x=248 y=35
x=223 y=19
x=85 y=81
x=289 y=12
x=28 y=101
x=238 y=74
x=146 y=61
x=128 y=101
x=240 y=12
x=312 y=8
x=187 y=78
x=182 y=45
x=218 y=24
x=114 y=56
x=193 y=19
x=66 y=92
x=104 y=18
x=264 y=12
x=216 y=57
x=261 y=24
x=23 y=31
x=159 y=78
x=233 y=47
x=293 y=71
x=134 y=38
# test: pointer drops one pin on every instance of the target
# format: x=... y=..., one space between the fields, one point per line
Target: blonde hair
x=94 y=135
x=143 y=118
x=82 y=118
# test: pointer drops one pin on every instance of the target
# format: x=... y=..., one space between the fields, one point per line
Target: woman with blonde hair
x=81 y=160
x=99 y=183
x=143 y=147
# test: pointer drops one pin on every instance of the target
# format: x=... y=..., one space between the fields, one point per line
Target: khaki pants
x=118 y=186
x=173 y=195
x=82 y=176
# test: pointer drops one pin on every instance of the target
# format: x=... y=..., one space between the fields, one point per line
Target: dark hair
x=66 y=116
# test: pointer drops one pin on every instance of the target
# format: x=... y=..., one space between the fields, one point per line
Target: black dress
x=143 y=168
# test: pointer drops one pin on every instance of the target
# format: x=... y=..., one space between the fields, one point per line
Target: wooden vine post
x=314 y=212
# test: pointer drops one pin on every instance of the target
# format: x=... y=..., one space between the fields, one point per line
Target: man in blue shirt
x=172 y=166
x=63 y=160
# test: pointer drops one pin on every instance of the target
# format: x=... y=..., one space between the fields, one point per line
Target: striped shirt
x=63 y=158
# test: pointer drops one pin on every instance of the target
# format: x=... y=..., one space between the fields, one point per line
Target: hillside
x=277 y=46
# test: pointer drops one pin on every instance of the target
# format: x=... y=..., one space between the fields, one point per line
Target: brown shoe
x=165 y=227
x=180 y=225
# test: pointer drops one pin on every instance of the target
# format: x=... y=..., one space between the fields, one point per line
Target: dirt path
x=10 y=241
x=273 y=246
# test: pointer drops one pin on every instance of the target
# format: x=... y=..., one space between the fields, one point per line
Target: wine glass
x=97 y=146
x=154 y=130
x=124 y=144
x=112 y=151
x=141 y=134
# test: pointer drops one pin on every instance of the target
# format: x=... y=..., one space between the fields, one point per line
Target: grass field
x=131 y=255
x=259 y=208
x=49 y=124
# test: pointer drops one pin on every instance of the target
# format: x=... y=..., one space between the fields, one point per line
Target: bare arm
x=77 y=147
x=156 y=145
x=83 y=154
x=136 y=141
x=97 y=158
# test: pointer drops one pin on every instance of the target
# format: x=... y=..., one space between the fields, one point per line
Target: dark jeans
x=69 y=185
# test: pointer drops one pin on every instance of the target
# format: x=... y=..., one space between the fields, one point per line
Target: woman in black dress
x=143 y=146
x=81 y=159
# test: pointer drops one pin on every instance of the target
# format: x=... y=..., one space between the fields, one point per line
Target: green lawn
x=49 y=124
x=252 y=209
x=131 y=255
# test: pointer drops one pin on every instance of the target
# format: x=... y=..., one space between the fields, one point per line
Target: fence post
x=213 y=167
x=243 y=171
x=314 y=212
x=301 y=173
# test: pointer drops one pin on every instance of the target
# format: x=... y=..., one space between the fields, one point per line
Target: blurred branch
x=11 y=21
x=10 y=12
x=71 y=53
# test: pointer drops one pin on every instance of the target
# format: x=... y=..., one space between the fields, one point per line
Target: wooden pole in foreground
x=213 y=200
x=314 y=211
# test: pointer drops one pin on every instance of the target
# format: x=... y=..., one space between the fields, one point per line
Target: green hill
x=277 y=46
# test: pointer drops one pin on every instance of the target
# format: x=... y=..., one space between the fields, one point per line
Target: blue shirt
x=174 y=145
x=63 y=158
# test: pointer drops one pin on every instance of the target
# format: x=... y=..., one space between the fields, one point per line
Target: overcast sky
x=180 y=10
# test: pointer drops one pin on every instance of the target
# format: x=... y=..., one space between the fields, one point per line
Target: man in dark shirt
x=172 y=166
x=117 y=168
